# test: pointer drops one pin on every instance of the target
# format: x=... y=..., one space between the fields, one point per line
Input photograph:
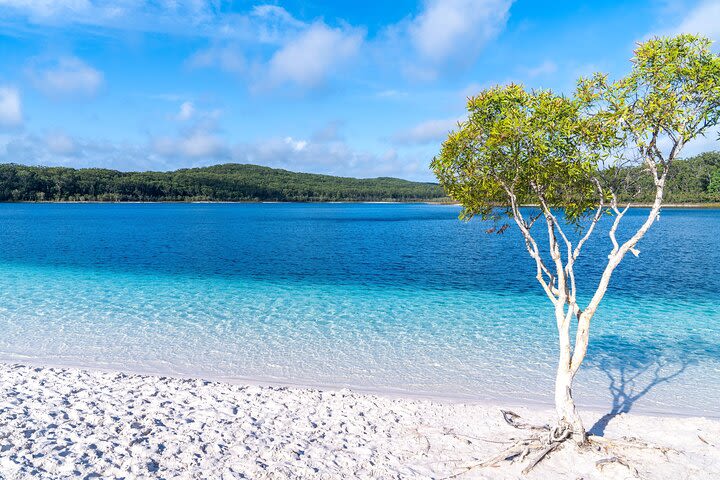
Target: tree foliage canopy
x=519 y=147
x=575 y=153
x=671 y=96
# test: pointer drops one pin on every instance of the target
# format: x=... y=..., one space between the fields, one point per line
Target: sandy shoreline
x=73 y=423
x=595 y=408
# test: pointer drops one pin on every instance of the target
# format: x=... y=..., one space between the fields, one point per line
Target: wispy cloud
x=228 y=58
x=391 y=93
x=200 y=148
x=196 y=143
x=10 y=107
x=62 y=150
x=337 y=158
x=174 y=16
x=273 y=24
x=186 y=112
x=426 y=132
x=444 y=33
x=59 y=143
x=198 y=136
x=65 y=76
x=269 y=48
x=313 y=55
x=444 y=25
x=704 y=19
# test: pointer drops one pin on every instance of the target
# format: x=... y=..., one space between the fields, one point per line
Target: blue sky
x=347 y=88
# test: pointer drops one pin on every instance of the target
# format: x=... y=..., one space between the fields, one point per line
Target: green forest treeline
x=694 y=180
x=229 y=182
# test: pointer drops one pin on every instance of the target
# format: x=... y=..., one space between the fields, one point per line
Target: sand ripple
x=70 y=423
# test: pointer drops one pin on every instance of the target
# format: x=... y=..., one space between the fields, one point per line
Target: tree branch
x=531 y=245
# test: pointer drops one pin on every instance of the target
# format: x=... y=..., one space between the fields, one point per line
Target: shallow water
x=401 y=298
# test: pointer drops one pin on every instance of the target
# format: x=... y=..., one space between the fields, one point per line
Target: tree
x=562 y=155
x=714 y=185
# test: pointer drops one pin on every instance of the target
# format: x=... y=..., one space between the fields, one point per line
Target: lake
x=400 y=298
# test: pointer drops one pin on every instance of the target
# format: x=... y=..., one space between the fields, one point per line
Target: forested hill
x=229 y=182
x=693 y=180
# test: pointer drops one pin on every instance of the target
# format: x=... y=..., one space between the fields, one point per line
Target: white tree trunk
x=565 y=405
x=560 y=289
x=568 y=418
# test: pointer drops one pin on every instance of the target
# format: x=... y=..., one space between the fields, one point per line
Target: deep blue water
x=390 y=297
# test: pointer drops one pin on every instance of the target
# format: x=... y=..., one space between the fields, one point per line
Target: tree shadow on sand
x=635 y=367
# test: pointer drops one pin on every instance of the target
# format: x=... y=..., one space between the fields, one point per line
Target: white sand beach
x=72 y=423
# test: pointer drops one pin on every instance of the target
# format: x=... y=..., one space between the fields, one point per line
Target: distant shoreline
x=192 y=202
x=374 y=202
x=247 y=183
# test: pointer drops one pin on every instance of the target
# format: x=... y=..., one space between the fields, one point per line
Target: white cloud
x=52 y=150
x=227 y=57
x=426 y=132
x=186 y=17
x=61 y=144
x=202 y=144
x=336 y=158
x=274 y=12
x=270 y=48
x=444 y=37
x=296 y=145
x=199 y=140
x=10 y=107
x=193 y=18
x=200 y=148
x=187 y=110
x=66 y=76
x=313 y=55
x=704 y=19
x=273 y=24
x=196 y=143
x=165 y=97
x=450 y=29
x=46 y=9
x=391 y=93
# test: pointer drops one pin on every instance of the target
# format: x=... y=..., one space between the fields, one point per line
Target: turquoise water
x=395 y=298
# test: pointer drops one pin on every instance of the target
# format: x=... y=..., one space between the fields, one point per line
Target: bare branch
x=618 y=216
x=531 y=244
x=595 y=220
x=552 y=226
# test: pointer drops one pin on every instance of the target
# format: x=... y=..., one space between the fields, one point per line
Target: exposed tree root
x=540 y=456
x=705 y=441
x=514 y=420
x=600 y=464
x=469 y=438
x=540 y=445
x=628 y=443
x=537 y=446
x=613 y=446
x=544 y=440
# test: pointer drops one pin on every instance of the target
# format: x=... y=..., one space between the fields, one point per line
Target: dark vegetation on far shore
x=222 y=183
x=694 y=180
